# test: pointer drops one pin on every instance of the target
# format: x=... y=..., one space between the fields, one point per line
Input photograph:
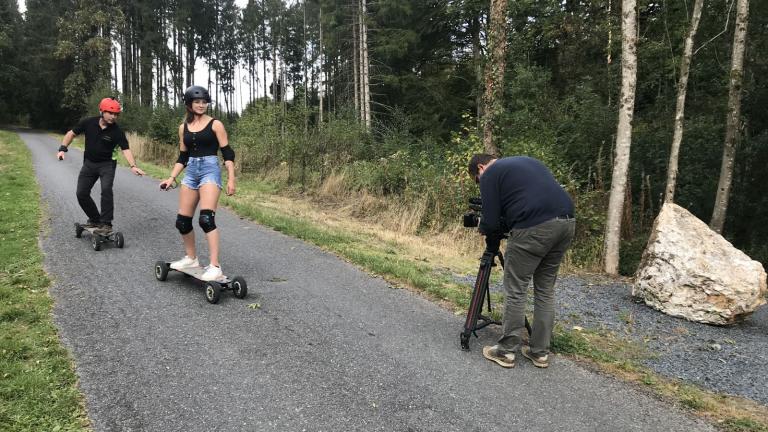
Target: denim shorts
x=202 y=170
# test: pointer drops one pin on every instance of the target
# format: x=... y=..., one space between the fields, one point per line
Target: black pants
x=89 y=173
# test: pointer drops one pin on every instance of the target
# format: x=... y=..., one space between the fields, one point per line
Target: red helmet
x=109 y=104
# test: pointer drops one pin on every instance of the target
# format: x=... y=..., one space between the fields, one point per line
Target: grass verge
x=621 y=358
x=38 y=387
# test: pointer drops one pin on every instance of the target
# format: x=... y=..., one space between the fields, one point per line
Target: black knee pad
x=207 y=220
x=184 y=224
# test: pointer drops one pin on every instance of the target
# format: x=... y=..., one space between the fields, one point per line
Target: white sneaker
x=212 y=273
x=185 y=263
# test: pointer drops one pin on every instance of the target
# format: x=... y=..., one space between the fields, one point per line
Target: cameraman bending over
x=521 y=196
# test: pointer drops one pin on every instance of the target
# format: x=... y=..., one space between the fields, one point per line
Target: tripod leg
x=476 y=303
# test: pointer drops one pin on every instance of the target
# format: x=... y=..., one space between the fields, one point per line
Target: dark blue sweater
x=523 y=191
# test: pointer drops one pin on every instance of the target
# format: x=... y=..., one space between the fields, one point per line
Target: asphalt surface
x=330 y=348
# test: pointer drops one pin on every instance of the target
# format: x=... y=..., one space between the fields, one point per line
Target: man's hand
x=62 y=149
x=136 y=170
x=492 y=243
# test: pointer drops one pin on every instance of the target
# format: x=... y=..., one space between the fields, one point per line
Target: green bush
x=270 y=138
x=164 y=124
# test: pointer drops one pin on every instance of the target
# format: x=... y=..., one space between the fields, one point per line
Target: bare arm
x=221 y=135
x=132 y=162
x=178 y=167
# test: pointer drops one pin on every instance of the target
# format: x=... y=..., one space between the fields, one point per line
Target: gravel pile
x=732 y=360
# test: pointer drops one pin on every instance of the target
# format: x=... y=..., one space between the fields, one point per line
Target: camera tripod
x=480 y=293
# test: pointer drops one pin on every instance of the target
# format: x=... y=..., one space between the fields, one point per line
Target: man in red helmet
x=102 y=138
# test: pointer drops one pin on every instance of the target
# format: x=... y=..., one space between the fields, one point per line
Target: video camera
x=472 y=217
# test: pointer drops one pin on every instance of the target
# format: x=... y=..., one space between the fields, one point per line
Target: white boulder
x=689 y=271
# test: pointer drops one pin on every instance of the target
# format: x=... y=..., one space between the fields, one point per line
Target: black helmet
x=196 y=92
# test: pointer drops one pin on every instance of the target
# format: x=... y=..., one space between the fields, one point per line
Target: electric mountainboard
x=98 y=237
x=213 y=289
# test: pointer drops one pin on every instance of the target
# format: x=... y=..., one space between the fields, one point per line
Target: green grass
x=743 y=425
x=38 y=389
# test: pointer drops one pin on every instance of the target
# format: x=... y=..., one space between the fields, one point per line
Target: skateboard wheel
x=96 y=243
x=78 y=230
x=119 y=240
x=212 y=292
x=239 y=287
x=161 y=270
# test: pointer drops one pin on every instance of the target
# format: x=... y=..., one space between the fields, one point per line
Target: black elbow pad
x=183 y=158
x=228 y=153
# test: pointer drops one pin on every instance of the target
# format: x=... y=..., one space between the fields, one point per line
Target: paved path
x=330 y=349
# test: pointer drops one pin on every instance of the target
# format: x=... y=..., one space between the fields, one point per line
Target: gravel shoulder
x=731 y=360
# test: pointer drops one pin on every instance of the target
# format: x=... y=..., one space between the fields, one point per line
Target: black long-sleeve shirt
x=523 y=191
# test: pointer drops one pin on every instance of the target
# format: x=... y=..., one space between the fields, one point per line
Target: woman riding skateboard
x=201 y=137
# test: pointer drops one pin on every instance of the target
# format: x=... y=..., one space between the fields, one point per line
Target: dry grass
x=386 y=221
x=145 y=150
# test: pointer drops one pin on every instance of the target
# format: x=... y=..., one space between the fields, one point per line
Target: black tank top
x=202 y=143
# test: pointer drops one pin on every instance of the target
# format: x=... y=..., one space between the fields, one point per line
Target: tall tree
x=365 y=88
x=733 y=121
x=10 y=68
x=250 y=25
x=44 y=72
x=494 y=72
x=228 y=51
x=321 y=59
x=85 y=38
x=682 y=88
x=623 y=135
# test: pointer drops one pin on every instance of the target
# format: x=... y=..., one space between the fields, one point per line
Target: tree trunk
x=264 y=69
x=356 y=62
x=304 y=67
x=682 y=88
x=366 y=93
x=478 y=64
x=320 y=84
x=190 y=58
x=733 y=123
x=623 y=135
x=275 y=88
x=114 y=62
x=494 y=72
x=609 y=51
x=124 y=55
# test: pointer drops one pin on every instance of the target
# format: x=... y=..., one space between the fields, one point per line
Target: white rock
x=689 y=271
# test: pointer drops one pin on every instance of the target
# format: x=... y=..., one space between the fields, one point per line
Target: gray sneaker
x=103 y=229
x=90 y=224
x=493 y=354
x=538 y=361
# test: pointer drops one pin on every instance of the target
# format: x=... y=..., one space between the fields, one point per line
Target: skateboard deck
x=92 y=230
x=213 y=289
x=97 y=238
x=197 y=273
